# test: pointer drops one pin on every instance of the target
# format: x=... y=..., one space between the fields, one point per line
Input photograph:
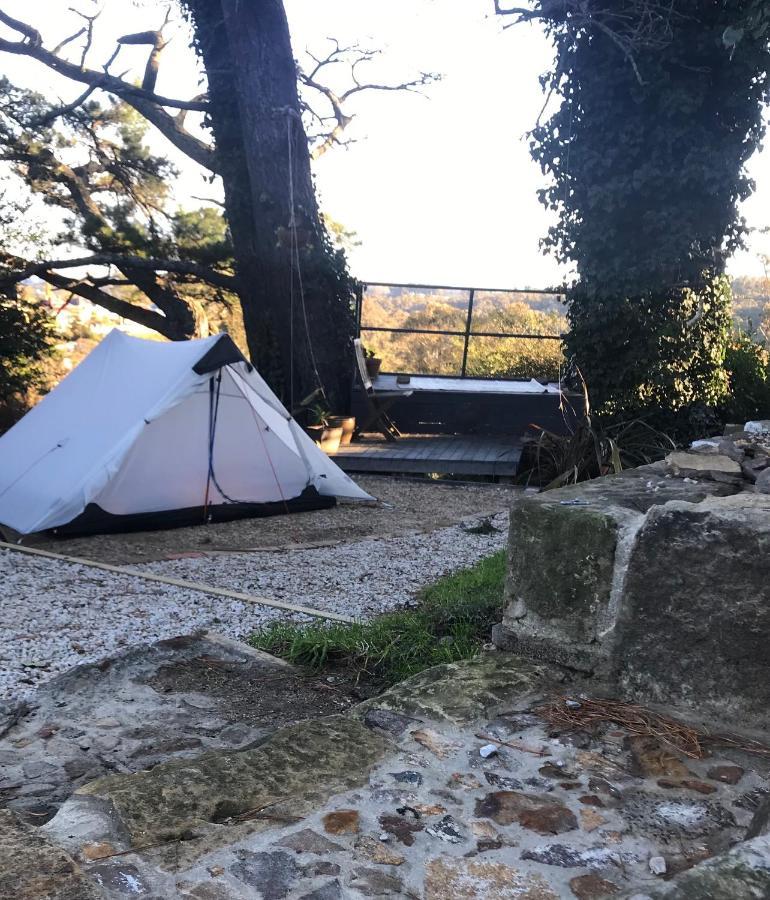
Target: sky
x=440 y=188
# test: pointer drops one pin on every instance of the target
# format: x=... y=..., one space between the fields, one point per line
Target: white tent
x=147 y=433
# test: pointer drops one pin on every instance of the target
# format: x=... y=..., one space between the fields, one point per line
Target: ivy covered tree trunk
x=646 y=155
x=255 y=116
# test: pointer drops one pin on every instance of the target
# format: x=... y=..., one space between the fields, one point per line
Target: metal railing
x=467 y=333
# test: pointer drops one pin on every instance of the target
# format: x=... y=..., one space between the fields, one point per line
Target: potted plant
x=373 y=363
x=324 y=430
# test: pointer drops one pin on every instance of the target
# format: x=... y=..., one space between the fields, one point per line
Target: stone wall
x=656 y=580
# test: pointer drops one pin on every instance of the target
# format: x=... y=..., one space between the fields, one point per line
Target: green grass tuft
x=451 y=621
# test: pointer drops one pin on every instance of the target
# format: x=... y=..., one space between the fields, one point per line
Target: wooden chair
x=378 y=402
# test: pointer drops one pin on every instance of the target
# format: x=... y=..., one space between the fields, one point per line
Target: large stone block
x=658 y=584
x=559 y=587
x=695 y=614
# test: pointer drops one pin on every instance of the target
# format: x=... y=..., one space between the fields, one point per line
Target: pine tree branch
x=121 y=261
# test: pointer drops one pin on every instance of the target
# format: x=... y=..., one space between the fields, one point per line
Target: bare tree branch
x=68 y=40
x=149 y=104
x=351 y=56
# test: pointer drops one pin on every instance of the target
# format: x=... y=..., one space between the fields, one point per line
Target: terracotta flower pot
x=373 y=364
x=348 y=426
x=330 y=439
x=315 y=432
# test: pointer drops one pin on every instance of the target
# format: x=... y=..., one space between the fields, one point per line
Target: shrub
x=26 y=338
x=748 y=369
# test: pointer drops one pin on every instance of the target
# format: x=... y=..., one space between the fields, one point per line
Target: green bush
x=26 y=337
x=748 y=369
x=452 y=620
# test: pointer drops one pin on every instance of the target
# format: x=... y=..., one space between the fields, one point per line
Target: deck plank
x=443 y=454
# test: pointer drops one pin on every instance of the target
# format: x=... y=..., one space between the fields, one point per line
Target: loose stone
x=447 y=830
x=342 y=821
x=592 y=887
x=476 y=879
x=725 y=774
x=374 y=850
x=541 y=814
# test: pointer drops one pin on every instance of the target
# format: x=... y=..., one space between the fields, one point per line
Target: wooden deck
x=439 y=453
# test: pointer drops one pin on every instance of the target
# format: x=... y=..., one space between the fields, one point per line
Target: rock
x=392 y=722
x=751 y=800
x=572 y=857
x=652 y=759
x=32 y=868
x=273 y=873
x=332 y=890
x=342 y=821
x=465 y=780
x=481 y=829
x=474 y=879
x=690 y=784
x=757 y=426
x=592 y=887
x=762 y=482
x=321 y=757
x=760 y=822
x=39 y=769
x=672 y=819
x=591 y=800
x=308 y=841
x=439 y=746
x=741 y=874
x=78 y=766
x=679 y=640
x=446 y=829
x=590 y=819
x=725 y=774
x=504 y=782
x=320 y=867
x=429 y=809
x=602 y=786
x=554 y=770
x=541 y=814
x=120 y=877
x=712 y=466
x=402 y=829
x=570 y=585
x=657 y=865
x=204 y=891
x=462 y=691
x=374 y=850
x=407 y=777
x=97 y=850
x=376 y=883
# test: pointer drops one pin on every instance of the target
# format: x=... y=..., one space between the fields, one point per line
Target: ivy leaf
x=732 y=36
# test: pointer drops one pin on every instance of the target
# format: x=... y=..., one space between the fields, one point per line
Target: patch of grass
x=451 y=621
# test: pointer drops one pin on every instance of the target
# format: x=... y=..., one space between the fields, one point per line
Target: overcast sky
x=440 y=189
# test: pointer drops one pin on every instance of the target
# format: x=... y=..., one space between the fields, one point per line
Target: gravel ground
x=406 y=507
x=56 y=615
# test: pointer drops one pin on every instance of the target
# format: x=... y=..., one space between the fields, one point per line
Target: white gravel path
x=55 y=615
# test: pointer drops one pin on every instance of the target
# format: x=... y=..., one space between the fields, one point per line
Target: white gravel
x=55 y=615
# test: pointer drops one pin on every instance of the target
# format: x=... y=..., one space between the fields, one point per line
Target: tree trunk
x=255 y=115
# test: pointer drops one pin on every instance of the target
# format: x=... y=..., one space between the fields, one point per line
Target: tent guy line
x=177 y=582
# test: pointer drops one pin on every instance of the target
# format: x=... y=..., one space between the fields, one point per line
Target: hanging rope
x=295 y=265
